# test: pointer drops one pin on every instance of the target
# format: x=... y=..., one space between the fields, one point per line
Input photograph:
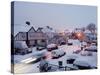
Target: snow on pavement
x=28 y=68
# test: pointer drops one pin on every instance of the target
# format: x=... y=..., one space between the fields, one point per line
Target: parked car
x=51 y=47
x=86 y=53
x=57 y=53
x=81 y=64
x=92 y=48
x=83 y=44
x=89 y=50
x=77 y=51
x=20 y=47
x=62 y=43
x=70 y=42
x=40 y=48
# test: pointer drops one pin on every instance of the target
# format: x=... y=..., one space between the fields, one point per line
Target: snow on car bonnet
x=51 y=45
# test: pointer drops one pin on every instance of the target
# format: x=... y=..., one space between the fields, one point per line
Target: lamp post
x=27 y=40
x=80 y=36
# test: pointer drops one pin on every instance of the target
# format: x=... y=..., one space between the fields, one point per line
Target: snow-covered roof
x=20 y=28
x=26 y=28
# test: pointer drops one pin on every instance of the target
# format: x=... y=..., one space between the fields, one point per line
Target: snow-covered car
x=62 y=43
x=20 y=47
x=77 y=51
x=83 y=44
x=51 y=47
x=40 y=48
x=92 y=48
x=86 y=53
x=89 y=51
x=57 y=53
x=70 y=42
x=81 y=64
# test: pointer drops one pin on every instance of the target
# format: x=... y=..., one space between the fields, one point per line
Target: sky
x=57 y=16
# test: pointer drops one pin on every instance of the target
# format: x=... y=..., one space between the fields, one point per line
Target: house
x=32 y=37
x=21 y=36
x=37 y=37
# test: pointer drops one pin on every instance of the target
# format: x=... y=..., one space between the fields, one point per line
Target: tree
x=91 y=27
x=83 y=29
x=39 y=29
x=49 y=27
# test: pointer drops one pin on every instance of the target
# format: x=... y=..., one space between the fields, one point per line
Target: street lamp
x=27 y=22
x=27 y=40
x=80 y=36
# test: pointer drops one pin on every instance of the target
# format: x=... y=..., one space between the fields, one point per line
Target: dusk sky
x=57 y=16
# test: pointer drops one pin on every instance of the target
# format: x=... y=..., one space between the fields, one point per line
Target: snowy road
x=29 y=68
x=26 y=68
